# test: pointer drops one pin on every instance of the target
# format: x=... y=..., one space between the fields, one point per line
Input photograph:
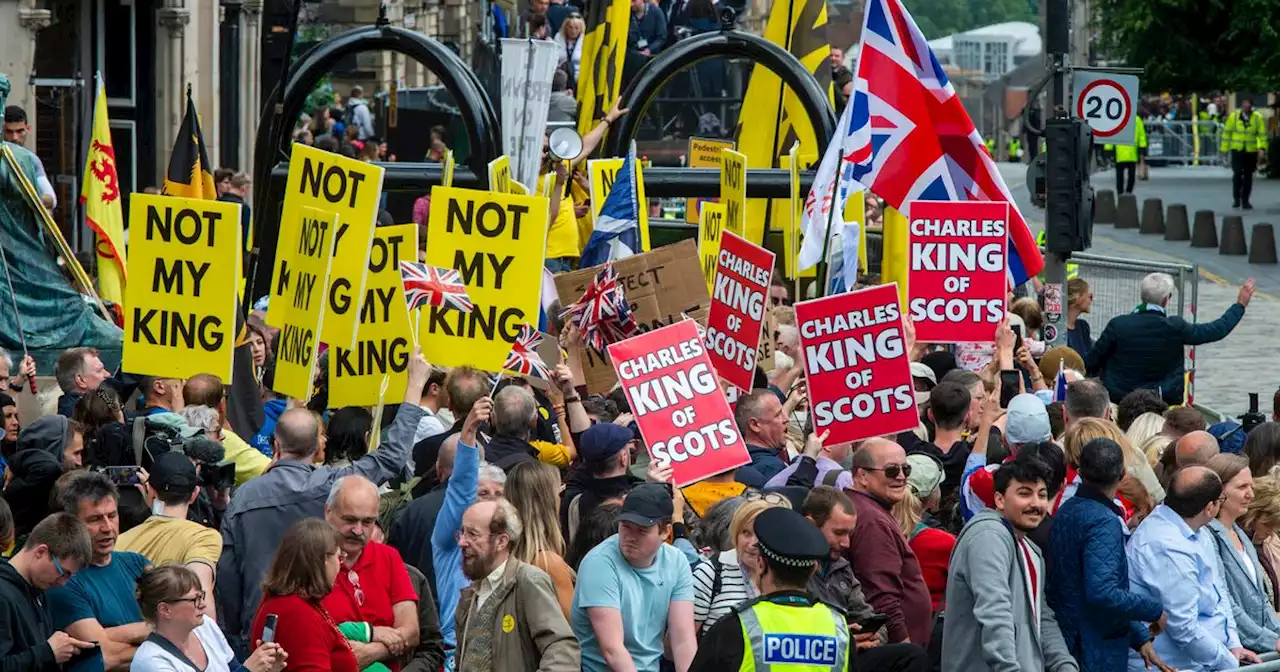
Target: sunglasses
x=893 y=471
x=355 y=583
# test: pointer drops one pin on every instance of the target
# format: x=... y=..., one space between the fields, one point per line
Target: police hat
x=789 y=538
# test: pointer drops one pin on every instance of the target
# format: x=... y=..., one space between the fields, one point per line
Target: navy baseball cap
x=603 y=441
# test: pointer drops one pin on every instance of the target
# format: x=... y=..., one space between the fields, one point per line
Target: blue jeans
x=559 y=264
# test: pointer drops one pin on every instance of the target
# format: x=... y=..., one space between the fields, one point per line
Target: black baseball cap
x=647 y=504
x=173 y=472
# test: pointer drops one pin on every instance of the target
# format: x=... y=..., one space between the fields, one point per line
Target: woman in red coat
x=301 y=574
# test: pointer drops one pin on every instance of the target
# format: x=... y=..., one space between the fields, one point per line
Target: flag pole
x=824 y=270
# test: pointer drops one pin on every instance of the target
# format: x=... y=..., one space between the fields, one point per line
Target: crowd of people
x=520 y=528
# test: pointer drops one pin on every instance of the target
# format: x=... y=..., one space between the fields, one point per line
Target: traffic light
x=1068 y=198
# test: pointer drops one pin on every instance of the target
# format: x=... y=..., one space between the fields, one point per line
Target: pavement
x=1228 y=370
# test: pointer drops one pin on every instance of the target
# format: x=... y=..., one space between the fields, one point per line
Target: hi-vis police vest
x=1131 y=153
x=796 y=637
x=1073 y=269
x=1240 y=135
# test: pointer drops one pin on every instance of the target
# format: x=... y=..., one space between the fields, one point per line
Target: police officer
x=786 y=629
x=1245 y=136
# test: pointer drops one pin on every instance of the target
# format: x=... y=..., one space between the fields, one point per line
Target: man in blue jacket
x=763 y=425
x=1145 y=349
x=1088 y=585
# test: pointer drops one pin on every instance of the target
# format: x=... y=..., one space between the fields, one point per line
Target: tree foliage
x=1195 y=45
x=939 y=18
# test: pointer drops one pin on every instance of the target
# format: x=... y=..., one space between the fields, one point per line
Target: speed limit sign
x=1107 y=103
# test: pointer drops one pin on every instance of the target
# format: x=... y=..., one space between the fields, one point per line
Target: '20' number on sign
x=1097 y=108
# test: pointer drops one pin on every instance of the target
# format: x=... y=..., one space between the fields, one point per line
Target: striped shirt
x=734 y=590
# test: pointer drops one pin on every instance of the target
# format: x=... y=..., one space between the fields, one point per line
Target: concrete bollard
x=1127 y=212
x=1104 y=207
x=1152 y=216
x=1205 y=232
x=1175 y=223
x=1233 y=243
x=1262 y=248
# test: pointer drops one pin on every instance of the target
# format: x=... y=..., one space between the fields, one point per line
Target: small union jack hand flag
x=430 y=286
x=524 y=358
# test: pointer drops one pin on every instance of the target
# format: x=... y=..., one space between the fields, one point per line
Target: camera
x=1253 y=417
x=216 y=475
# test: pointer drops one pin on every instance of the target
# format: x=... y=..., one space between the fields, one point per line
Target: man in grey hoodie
x=997 y=615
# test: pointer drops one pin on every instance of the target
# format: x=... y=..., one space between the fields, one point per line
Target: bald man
x=882 y=561
x=1195 y=448
x=1173 y=563
x=294 y=488
x=374 y=586
x=206 y=389
x=410 y=531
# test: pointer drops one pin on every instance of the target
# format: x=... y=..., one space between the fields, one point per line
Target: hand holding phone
x=269 y=628
x=872 y=623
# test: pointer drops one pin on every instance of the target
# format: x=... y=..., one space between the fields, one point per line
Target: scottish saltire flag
x=430 y=286
x=617 y=232
x=524 y=358
x=832 y=184
x=1060 y=384
x=923 y=145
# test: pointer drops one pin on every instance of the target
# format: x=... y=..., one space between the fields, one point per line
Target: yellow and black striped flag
x=190 y=175
x=603 y=55
x=772 y=111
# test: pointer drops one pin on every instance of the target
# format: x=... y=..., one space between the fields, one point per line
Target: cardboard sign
x=676 y=398
x=703 y=153
x=383 y=343
x=856 y=366
x=957 y=283
x=184 y=262
x=351 y=189
x=733 y=193
x=709 y=231
x=497 y=242
x=738 y=304
x=310 y=256
x=661 y=286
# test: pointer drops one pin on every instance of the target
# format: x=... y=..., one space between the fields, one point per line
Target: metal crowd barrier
x=1176 y=143
x=1270 y=663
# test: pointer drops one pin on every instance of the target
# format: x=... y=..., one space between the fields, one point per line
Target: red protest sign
x=676 y=399
x=957 y=281
x=738 y=305
x=855 y=362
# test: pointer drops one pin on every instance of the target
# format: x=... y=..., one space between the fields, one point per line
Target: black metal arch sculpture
x=723 y=44
x=282 y=111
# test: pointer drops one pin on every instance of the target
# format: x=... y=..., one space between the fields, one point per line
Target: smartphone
x=1017 y=337
x=269 y=629
x=873 y=623
x=124 y=475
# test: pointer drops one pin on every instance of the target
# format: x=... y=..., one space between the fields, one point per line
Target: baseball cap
x=647 y=504
x=1028 y=420
x=922 y=370
x=173 y=472
x=926 y=474
x=602 y=441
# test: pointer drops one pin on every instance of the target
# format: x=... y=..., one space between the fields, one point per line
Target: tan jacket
x=529 y=629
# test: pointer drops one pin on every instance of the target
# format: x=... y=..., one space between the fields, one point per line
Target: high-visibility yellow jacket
x=1073 y=269
x=805 y=638
x=1239 y=135
x=1129 y=153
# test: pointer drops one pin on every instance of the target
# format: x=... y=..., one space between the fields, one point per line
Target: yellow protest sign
x=500 y=175
x=602 y=173
x=733 y=194
x=383 y=343
x=791 y=230
x=310 y=254
x=446 y=177
x=642 y=207
x=703 y=153
x=184 y=256
x=497 y=243
x=351 y=189
x=709 y=228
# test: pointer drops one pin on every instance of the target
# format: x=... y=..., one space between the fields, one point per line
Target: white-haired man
x=1144 y=349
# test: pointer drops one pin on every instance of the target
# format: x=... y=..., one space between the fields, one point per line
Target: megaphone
x=564 y=143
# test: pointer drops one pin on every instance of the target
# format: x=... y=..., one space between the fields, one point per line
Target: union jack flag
x=922 y=144
x=524 y=358
x=430 y=286
x=603 y=314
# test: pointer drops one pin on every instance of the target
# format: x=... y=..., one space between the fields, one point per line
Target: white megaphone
x=564 y=143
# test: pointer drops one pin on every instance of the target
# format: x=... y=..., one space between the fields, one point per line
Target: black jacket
x=34 y=473
x=504 y=453
x=25 y=625
x=425 y=453
x=411 y=530
x=593 y=491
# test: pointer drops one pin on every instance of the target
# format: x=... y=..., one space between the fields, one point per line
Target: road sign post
x=1108 y=103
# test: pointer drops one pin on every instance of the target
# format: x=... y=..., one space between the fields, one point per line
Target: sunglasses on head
x=893 y=471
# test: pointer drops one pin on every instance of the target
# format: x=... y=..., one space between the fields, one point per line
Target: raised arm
x=389 y=460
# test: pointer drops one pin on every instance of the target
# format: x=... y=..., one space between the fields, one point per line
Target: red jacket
x=933 y=549
x=305 y=631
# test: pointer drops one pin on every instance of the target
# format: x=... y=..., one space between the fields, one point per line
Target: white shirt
x=490 y=583
x=150 y=657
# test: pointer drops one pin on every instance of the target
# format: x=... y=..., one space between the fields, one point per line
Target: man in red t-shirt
x=373 y=587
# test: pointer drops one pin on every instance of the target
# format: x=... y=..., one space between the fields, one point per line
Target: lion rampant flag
x=101 y=200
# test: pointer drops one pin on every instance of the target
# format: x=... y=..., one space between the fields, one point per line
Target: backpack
x=152 y=439
x=391 y=502
x=831 y=477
